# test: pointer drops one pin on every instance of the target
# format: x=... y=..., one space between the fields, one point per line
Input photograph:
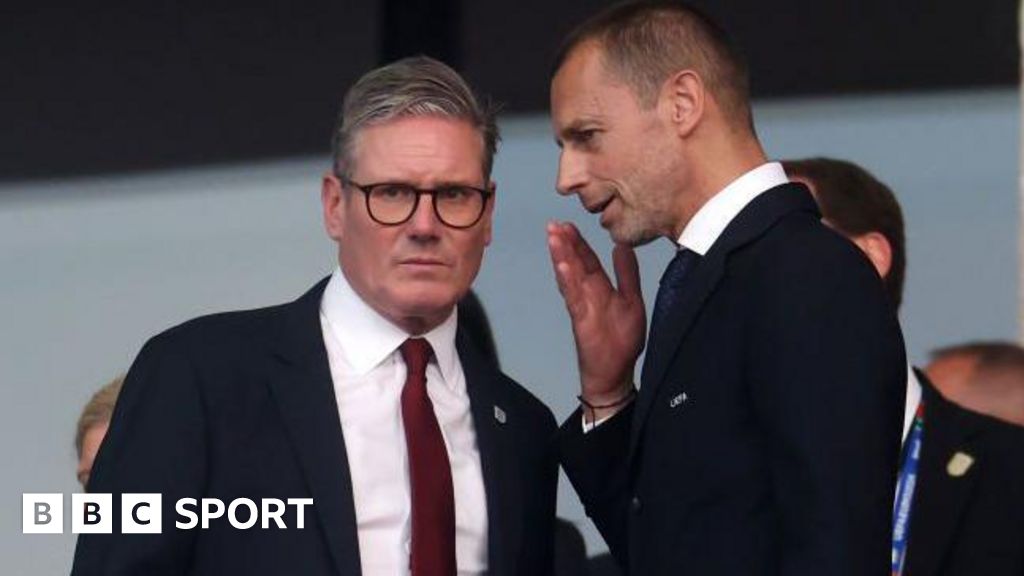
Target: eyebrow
x=452 y=183
x=437 y=185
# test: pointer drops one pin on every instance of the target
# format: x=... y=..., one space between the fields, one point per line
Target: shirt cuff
x=588 y=426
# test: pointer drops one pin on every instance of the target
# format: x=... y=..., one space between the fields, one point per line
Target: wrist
x=600 y=406
x=602 y=393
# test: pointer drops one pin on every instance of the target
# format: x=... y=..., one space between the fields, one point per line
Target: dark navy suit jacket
x=968 y=523
x=766 y=434
x=241 y=405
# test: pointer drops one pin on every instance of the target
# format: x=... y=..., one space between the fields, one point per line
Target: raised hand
x=608 y=322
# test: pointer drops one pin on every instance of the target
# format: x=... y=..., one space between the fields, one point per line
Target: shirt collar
x=366 y=338
x=710 y=221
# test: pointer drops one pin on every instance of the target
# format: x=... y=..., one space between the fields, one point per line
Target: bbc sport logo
x=142 y=513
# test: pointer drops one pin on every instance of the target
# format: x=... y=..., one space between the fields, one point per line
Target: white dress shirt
x=368 y=374
x=703 y=230
x=913 y=399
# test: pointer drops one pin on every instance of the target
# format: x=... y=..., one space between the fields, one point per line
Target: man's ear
x=333 y=205
x=684 y=99
x=877 y=249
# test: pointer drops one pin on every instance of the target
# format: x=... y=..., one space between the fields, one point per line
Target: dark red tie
x=430 y=475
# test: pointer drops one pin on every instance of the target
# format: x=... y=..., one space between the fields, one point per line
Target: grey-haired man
x=419 y=456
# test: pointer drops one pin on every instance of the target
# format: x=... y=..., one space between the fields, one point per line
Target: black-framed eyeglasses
x=394 y=203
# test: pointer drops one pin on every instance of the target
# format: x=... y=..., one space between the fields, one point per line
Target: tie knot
x=416 y=353
x=678 y=267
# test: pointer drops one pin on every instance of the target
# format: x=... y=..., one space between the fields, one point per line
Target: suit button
x=635 y=505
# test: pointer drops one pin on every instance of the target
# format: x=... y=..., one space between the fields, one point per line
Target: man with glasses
x=419 y=455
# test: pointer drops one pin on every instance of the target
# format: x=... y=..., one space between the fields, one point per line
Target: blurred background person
x=986 y=377
x=92 y=426
x=969 y=508
x=960 y=500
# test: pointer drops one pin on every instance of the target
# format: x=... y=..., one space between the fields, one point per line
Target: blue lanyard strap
x=905 y=493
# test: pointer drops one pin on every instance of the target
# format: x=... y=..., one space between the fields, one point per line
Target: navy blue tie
x=671 y=285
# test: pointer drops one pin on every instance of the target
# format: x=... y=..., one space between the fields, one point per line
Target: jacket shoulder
x=800 y=249
x=219 y=332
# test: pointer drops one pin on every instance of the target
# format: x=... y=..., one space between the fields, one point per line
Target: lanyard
x=905 y=493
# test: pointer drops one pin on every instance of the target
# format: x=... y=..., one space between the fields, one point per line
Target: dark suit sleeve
x=596 y=464
x=827 y=375
x=155 y=444
x=548 y=497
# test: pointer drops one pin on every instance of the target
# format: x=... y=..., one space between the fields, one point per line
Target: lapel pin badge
x=678 y=399
x=959 y=464
x=499 y=415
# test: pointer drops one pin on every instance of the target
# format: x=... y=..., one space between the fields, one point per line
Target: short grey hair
x=414 y=86
x=645 y=42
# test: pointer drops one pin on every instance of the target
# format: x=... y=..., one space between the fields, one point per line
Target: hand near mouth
x=609 y=322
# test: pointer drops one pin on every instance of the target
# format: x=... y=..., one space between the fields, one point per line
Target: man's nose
x=572 y=174
x=424 y=222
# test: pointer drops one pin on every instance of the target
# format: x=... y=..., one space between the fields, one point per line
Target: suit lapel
x=753 y=221
x=304 y=393
x=497 y=454
x=661 y=349
x=940 y=497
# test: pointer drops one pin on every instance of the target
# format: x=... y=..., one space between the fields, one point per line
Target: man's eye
x=454 y=194
x=392 y=191
x=586 y=136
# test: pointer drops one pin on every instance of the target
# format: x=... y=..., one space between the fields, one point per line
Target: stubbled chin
x=434 y=305
x=423 y=290
x=622 y=233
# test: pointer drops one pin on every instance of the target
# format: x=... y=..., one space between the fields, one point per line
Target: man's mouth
x=600 y=206
x=422 y=261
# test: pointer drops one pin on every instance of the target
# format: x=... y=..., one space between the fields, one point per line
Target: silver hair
x=414 y=86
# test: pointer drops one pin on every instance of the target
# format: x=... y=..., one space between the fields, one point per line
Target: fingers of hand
x=627 y=272
x=591 y=263
x=567 y=269
x=563 y=259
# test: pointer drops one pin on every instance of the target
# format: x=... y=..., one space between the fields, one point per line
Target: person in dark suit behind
x=92 y=426
x=964 y=514
x=968 y=508
x=418 y=454
x=985 y=377
x=765 y=435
